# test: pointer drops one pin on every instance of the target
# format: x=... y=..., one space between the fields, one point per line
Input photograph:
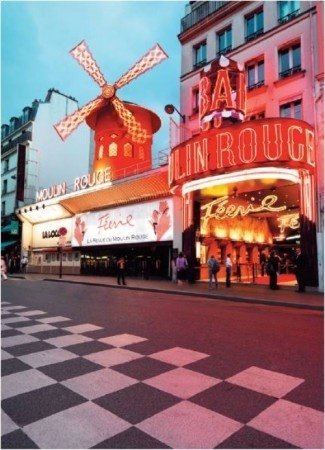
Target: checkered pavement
x=73 y=385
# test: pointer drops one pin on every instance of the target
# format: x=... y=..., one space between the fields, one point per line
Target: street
x=103 y=367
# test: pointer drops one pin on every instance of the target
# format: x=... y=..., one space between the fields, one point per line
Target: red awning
x=123 y=192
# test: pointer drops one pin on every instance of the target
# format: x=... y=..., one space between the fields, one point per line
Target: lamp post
x=62 y=242
x=170 y=109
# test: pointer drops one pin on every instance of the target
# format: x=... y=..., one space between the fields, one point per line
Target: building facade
x=278 y=47
x=32 y=156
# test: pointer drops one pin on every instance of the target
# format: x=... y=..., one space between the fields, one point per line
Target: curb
x=195 y=294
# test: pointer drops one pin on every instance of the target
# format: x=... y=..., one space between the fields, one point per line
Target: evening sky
x=37 y=36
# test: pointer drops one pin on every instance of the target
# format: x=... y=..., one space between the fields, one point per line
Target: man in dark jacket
x=300 y=270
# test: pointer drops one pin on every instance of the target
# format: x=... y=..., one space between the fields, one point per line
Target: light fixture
x=170 y=109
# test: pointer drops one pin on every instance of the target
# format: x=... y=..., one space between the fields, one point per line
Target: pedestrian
x=181 y=266
x=174 y=270
x=300 y=270
x=121 y=271
x=3 y=269
x=228 y=270
x=214 y=268
x=24 y=263
x=272 y=269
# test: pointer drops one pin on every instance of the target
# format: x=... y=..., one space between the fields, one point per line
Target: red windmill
x=123 y=131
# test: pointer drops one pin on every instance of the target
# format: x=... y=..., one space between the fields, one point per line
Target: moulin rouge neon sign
x=239 y=146
x=221 y=208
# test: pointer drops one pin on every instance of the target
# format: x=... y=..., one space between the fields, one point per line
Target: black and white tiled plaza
x=73 y=385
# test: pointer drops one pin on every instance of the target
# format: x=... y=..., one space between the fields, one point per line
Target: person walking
x=228 y=270
x=272 y=269
x=181 y=266
x=214 y=268
x=300 y=270
x=3 y=269
x=121 y=271
x=24 y=263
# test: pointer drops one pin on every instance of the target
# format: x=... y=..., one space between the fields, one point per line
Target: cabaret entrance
x=249 y=189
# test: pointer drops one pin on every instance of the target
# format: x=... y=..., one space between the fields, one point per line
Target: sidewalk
x=238 y=292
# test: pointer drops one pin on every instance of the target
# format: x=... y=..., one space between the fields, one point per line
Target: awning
x=11 y=228
x=7 y=244
x=138 y=190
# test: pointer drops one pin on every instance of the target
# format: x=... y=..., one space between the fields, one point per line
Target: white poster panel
x=47 y=234
x=142 y=222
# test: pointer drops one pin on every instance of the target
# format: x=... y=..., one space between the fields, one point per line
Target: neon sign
x=222 y=93
x=289 y=221
x=80 y=183
x=221 y=208
x=247 y=145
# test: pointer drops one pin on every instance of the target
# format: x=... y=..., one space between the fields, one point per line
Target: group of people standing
x=182 y=270
x=272 y=264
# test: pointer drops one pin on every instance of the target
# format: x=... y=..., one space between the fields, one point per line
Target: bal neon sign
x=222 y=93
x=221 y=208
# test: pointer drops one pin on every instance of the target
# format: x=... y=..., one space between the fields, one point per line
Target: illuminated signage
x=80 y=183
x=221 y=208
x=247 y=145
x=47 y=234
x=148 y=222
x=289 y=221
x=222 y=93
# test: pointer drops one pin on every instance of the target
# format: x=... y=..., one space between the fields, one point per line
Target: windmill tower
x=123 y=130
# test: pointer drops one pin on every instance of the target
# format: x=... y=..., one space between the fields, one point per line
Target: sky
x=36 y=37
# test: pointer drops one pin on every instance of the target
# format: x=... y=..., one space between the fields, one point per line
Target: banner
x=139 y=223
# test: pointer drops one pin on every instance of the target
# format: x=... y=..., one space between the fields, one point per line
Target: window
x=128 y=150
x=5 y=165
x=255 y=75
x=254 y=25
x=291 y=110
x=200 y=55
x=26 y=114
x=4 y=187
x=288 y=10
x=3 y=208
x=112 y=149
x=289 y=61
x=224 y=41
x=195 y=100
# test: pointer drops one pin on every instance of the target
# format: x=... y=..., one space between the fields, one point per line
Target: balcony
x=199 y=64
x=224 y=51
x=200 y=13
x=251 y=87
x=254 y=35
x=289 y=72
x=288 y=17
x=27 y=136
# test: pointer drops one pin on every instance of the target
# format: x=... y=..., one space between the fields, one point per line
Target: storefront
x=247 y=187
x=85 y=232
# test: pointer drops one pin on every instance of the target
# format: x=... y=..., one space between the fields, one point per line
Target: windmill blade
x=153 y=57
x=83 y=55
x=67 y=125
x=137 y=133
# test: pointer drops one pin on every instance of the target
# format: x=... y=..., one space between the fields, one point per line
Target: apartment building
x=278 y=47
x=34 y=157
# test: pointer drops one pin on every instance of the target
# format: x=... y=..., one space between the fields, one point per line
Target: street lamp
x=170 y=109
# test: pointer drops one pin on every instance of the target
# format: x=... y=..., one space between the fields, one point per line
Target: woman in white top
x=228 y=270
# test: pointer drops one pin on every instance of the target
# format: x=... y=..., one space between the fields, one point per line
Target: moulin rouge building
x=238 y=181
